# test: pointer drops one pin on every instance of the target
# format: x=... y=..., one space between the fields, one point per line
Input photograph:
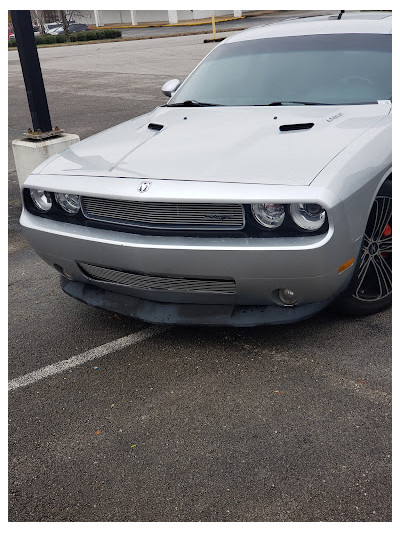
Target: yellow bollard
x=213 y=26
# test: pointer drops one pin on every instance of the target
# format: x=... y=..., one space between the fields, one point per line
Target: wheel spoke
x=383 y=216
x=386 y=245
x=369 y=231
x=383 y=276
x=363 y=269
x=364 y=259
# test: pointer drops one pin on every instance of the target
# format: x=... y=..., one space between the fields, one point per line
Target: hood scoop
x=296 y=127
x=154 y=126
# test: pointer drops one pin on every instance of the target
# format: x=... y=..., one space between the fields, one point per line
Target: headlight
x=41 y=199
x=269 y=215
x=308 y=216
x=71 y=203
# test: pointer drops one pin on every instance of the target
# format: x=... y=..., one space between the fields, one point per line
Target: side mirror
x=170 y=87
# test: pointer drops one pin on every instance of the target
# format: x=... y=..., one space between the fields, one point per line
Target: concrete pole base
x=29 y=154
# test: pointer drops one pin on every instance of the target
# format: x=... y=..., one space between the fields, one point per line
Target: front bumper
x=260 y=266
x=186 y=313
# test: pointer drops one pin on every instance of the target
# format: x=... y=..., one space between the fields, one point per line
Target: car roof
x=353 y=22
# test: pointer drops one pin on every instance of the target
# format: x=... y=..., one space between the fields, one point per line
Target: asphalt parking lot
x=285 y=423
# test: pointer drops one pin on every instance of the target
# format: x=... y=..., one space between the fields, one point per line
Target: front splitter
x=189 y=314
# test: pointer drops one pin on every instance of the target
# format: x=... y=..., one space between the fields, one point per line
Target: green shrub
x=50 y=39
x=112 y=34
x=91 y=35
x=81 y=36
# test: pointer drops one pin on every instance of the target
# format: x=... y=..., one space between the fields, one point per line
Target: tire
x=370 y=288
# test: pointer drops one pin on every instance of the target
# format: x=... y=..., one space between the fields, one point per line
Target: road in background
x=234 y=25
x=288 y=423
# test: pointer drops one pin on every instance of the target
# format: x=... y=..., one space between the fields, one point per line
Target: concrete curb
x=161 y=25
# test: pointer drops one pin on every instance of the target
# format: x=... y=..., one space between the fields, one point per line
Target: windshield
x=324 y=69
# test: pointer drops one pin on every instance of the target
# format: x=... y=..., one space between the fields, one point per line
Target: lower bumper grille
x=158 y=283
x=165 y=215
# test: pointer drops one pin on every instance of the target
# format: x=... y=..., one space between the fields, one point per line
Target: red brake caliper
x=386 y=233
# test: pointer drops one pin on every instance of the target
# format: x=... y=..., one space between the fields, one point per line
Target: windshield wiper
x=288 y=102
x=191 y=103
x=317 y=103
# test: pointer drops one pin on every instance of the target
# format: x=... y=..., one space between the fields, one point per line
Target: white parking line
x=84 y=357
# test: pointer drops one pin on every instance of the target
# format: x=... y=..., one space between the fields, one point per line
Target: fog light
x=287 y=297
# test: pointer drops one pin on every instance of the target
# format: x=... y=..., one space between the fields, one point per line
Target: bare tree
x=42 y=17
x=38 y=19
x=65 y=22
x=66 y=19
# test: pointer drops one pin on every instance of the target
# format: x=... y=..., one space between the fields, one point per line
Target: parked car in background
x=51 y=26
x=56 y=31
x=72 y=28
x=259 y=194
x=36 y=31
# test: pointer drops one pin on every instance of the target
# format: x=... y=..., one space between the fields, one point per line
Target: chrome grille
x=158 y=283
x=165 y=215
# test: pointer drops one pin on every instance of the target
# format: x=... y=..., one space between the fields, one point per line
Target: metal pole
x=31 y=71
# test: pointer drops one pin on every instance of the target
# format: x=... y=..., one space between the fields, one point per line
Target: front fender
x=356 y=174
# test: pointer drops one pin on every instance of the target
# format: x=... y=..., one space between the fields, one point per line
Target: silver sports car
x=259 y=194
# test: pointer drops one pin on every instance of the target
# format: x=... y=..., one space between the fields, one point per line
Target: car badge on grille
x=218 y=217
x=144 y=186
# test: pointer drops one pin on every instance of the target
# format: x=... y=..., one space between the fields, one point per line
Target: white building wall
x=126 y=17
x=86 y=17
x=201 y=14
x=152 y=15
x=110 y=16
x=185 y=15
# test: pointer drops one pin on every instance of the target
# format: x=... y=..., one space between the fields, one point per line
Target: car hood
x=223 y=144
